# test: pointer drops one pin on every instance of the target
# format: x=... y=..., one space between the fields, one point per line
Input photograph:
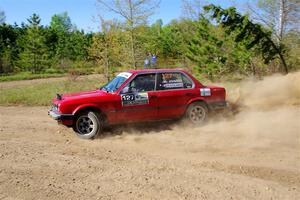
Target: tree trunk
x=133 y=49
x=132 y=39
x=106 y=61
x=283 y=63
x=281 y=20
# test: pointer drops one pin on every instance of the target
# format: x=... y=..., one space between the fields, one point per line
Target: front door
x=138 y=99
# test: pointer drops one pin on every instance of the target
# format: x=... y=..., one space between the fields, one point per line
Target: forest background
x=209 y=41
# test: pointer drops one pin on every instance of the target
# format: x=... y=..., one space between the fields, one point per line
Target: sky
x=84 y=12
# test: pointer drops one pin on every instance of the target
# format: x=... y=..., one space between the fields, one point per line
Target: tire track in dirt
x=290 y=178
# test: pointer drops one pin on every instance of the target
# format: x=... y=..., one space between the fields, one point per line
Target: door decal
x=133 y=99
x=205 y=92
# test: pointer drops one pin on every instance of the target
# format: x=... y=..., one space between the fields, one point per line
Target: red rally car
x=138 y=96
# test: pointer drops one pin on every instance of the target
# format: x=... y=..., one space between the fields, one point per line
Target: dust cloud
x=264 y=113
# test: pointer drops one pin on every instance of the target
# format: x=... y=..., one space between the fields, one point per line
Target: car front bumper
x=58 y=116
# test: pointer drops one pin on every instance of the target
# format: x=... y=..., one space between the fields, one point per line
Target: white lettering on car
x=173 y=85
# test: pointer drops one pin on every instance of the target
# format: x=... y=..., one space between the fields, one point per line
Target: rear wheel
x=88 y=125
x=197 y=112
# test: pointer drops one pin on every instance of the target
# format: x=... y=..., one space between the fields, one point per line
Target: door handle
x=189 y=94
x=153 y=97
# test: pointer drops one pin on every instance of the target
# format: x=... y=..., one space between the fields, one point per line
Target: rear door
x=174 y=90
x=139 y=99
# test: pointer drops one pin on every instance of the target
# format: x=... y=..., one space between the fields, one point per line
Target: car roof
x=156 y=70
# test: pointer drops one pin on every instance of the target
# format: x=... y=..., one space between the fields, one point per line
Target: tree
x=171 y=40
x=61 y=23
x=252 y=34
x=2 y=17
x=34 y=55
x=8 y=47
x=281 y=16
x=62 y=27
x=192 y=9
x=207 y=50
x=107 y=47
x=149 y=39
x=135 y=13
x=174 y=40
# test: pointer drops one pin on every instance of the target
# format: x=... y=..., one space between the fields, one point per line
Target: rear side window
x=169 y=81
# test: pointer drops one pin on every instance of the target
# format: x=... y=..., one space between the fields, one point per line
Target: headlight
x=55 y=107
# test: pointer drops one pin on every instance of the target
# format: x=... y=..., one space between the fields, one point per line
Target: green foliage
x=207 y=50
x=8 y=47
x=292 y=43
x=217 y=53
x=34 y=55
x=251 y=34
x=66 y=44
x=35 y=48
x=61 y=23
x=109 y=49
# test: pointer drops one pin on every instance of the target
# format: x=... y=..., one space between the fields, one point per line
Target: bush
x=54 y=71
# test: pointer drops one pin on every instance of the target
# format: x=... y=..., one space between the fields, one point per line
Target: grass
x=28 y=76
x=42 y=93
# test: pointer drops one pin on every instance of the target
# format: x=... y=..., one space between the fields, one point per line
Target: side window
x=141 y=83
x=169 y=81
x=187 y=83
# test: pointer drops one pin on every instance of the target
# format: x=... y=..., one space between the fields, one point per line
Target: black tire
x=197 y=113
x=87 y=125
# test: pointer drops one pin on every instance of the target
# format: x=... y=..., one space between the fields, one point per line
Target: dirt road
x=254 y=154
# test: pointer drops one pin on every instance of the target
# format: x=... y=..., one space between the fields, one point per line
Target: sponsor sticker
x=133 y=99
x=205 y=92
x=173 y=85
x=176 y=83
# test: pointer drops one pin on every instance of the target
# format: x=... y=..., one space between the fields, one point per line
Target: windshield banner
x=125 y=74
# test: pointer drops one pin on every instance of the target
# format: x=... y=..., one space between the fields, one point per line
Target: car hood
x=80 y=95
x=84 y=94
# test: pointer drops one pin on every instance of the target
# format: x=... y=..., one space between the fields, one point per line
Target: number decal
x=135 y=99
x=128 y=97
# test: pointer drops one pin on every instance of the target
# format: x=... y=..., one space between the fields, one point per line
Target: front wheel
x=87 y=125
x=197 y=112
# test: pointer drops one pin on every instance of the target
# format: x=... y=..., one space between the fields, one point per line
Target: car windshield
x=116 y=83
